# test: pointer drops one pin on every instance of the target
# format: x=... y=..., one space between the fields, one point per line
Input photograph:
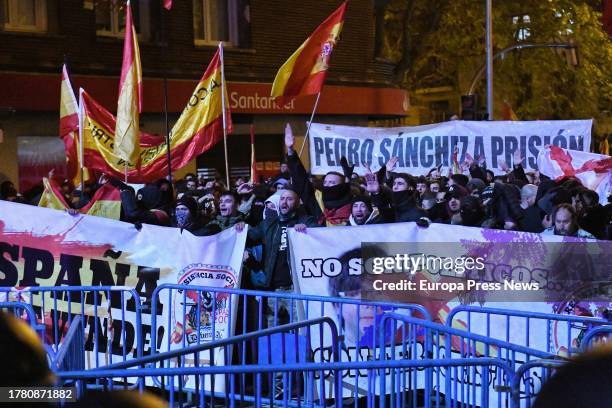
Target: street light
x=568 y=46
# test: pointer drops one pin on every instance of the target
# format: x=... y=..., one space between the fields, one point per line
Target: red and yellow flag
x=69 y=125
x=106 y=202
x=69 y=129
x=254 y=175
x=198 y=129
x=127 y=130
x=304 y=72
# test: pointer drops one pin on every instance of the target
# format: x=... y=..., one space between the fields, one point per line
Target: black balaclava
x=336 y=196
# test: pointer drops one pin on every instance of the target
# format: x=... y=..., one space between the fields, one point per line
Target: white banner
x=421 y=148
x=44 y=247
x=328 y=261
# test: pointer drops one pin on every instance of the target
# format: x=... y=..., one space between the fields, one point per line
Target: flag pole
x=81 y=150
x=314 y=109
x=223 y=110
x=163 y=58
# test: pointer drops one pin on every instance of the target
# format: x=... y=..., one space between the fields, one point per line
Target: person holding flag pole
x=129 y=104
x=305 y=71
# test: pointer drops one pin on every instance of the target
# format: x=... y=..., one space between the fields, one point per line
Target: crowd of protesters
x=473 y=196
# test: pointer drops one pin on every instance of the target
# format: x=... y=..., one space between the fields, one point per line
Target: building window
x=110 y=18
x=24 y=15
x=221 y=20
x=522 y=27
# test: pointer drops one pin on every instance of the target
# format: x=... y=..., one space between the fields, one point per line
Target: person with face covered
x=186 y=214
x=332 y=205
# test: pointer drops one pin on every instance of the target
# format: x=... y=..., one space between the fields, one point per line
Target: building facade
x=38 y=36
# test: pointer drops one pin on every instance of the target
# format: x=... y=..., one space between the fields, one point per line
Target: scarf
x=336 y=196
x=336 y=216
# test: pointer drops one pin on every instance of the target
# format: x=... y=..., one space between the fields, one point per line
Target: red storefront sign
x=41 y=92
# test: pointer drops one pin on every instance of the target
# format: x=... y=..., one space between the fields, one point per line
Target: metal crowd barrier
x=423 y=340
x=528 y=380
x=111 y=319
x=456 y=389
x=210 y=309
x=24 y=311
x=601 y=334
x=202 y=355
x=548 y=332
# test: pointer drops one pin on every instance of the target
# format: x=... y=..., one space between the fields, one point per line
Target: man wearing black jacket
x=332 y=205
x=272 y=233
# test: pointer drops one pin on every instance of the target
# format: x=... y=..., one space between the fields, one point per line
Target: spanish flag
x=304 y=72
x=127 y=130
x=69 y=128
x=106 y=202
x=198 y=129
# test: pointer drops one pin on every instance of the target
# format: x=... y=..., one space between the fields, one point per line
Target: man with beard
x=272 y=233
x=362 y=212
x=565 y=222
x=332 y=205
x=453 y=200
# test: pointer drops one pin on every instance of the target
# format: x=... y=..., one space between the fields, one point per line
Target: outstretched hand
x=372 y=184
x=289 y=138
x=391 y=164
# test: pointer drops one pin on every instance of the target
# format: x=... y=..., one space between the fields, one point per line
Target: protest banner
x=522 y=271
x=45 y=247
x=421 y=148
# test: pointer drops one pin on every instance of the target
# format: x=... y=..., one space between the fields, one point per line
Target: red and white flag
x=593 y=170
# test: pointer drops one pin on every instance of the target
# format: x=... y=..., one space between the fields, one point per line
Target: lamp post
x=489 y=62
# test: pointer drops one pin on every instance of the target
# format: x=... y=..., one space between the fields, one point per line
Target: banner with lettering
x=440 y=267
x=44 y=247
x=421 y=148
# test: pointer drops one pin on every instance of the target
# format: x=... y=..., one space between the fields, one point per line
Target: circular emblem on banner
x=202 y=314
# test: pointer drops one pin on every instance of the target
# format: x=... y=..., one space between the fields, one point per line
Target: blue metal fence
x=111 y=318
x=528 y=380
x=548 y=332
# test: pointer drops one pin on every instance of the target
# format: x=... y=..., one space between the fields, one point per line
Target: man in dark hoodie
x=592 y=216
x=144 y=208
x=186 y=214
x=332 y=205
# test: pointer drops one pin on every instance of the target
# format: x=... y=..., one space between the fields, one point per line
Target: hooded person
x=271 y=206
x=186 y=214
x=453 y=200
x=145 y=207
x=506 y=204
x=592 y=216
x=362 y=212
x=471 y=211
x=332 y=204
